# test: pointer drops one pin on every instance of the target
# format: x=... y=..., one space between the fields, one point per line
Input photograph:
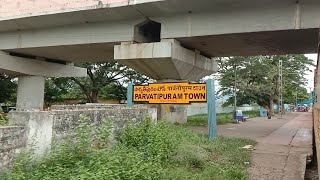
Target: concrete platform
x=283 y=145
x=283 y=153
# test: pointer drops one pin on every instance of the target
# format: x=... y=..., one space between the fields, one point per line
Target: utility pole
x=296 y=98
x=235 y=93
x=280 y=103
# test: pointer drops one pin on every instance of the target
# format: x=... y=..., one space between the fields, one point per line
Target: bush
x=3 y=119
x=252 y=113
x=154 y=140
x=202 y=119
x=145 y=151
x=222 y=118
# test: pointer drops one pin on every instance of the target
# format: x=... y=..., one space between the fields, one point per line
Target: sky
x=310 y=75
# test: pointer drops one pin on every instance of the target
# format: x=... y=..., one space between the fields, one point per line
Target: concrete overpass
x=164 y=39
x=214 y=27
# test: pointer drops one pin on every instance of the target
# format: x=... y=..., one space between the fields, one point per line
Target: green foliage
x=258 y=78
x=252 y=114
x=3 y=119
x=53 y=93
x=202 y=119
x=8 y=88
x=113 y=91
x=152 y=139
x=295 y=93
x=145 y=151
x=222 y=118
x=105 y=80
x=109 y=77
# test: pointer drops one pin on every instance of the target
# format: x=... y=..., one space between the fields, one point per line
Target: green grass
x=222 y=118
x=145 y=151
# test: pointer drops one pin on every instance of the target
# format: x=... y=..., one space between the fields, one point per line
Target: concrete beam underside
x=23 y=66
x=283 y=27
x=165 y=60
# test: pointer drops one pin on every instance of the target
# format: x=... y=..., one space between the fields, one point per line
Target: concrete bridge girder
x=215 y=27
x=14 y=65
x=31 y=77
x=165 y=60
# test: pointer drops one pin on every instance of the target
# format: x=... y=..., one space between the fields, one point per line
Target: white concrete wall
x=45 y=127
x=40 y=132
x=12 y=140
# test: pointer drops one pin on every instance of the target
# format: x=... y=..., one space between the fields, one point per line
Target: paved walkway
x=283 y=145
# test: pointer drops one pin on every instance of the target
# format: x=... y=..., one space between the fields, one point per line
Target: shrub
x=154 y=140
x=3 y=119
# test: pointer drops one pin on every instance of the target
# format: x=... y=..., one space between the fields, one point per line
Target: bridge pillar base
x=173 y=113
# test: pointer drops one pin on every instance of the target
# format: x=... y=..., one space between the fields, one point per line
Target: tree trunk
x=94 y=97
x=269 y=112
x=271 y=106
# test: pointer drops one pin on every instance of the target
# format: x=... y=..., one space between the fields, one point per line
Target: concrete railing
x=14 y=8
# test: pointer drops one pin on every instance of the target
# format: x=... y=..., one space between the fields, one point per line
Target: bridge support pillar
x=31 y=75
x=173 y=113
x=166 y=61
x=30 y=94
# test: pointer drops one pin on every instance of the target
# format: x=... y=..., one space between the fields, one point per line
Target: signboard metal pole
x=211 y=104
x=130 y=94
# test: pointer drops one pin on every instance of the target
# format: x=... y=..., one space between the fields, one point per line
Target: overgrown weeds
x=144 y=151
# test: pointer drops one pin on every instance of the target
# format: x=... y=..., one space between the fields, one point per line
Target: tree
x=114 y=91
x=106 y=80
x=8 y=88
x=257 y=78
x=57 y=89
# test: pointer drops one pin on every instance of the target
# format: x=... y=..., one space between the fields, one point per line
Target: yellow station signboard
x=170 y=93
